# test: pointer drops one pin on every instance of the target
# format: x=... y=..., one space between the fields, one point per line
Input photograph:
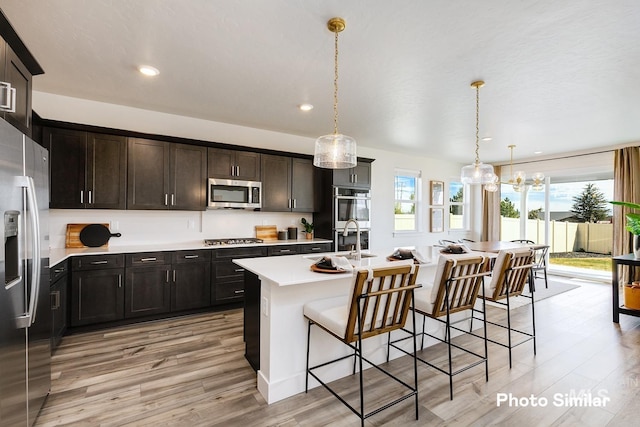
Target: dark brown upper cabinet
x=287 y=184
x=358 y=176
x=164 y=175
x=88 y=170
x=17 y=68
x=233 y=164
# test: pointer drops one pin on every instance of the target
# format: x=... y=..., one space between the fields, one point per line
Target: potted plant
x=633 y=225
x=308 y=228
x=631 y=291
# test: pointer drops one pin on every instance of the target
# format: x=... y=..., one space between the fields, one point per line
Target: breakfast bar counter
x=276 y=290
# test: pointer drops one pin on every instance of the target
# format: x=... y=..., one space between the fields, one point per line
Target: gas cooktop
x=234 y=241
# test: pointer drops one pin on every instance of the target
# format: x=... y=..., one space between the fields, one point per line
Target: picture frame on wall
x=437 y=220
x=437 y=193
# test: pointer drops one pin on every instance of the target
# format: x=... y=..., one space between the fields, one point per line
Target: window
x=407 y=200
x=456 y=206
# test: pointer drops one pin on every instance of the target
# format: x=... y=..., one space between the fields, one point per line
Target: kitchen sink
x=347 y=255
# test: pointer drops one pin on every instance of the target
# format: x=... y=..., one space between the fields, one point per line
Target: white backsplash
x=150 y=227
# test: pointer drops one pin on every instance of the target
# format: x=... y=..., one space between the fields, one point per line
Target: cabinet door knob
x=81 y=196
x=90 y=199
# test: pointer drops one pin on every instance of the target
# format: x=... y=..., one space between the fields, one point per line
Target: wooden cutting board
x=267 y=232
x=73 y=236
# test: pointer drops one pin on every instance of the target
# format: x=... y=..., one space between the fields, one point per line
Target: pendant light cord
x=477 y=124
x=335 y=87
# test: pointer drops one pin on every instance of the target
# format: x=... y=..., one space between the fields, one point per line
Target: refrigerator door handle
x=27 y=320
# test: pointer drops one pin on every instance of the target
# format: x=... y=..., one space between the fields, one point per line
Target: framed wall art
x=437 y=193
x=437 y=220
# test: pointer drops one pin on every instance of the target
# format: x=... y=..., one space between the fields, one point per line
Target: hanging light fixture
x=335 y=151
x=478 y=172
x=518 y=179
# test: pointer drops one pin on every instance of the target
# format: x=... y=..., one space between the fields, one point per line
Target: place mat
x=326 y=270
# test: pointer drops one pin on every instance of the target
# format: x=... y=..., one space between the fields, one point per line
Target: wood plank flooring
x=191 y=371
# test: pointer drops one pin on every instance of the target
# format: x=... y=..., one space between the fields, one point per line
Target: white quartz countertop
x=57 y=255
x=296 y=269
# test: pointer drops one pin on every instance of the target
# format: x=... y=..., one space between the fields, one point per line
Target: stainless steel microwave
x=234 y=194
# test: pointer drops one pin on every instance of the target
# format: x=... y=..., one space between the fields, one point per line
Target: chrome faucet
x=346 y=231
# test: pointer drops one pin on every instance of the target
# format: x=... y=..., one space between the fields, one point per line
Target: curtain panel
x=626 y=188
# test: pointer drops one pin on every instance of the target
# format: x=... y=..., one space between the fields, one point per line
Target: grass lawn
x=603 y=264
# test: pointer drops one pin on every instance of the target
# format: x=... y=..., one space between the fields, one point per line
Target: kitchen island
x=276 y=331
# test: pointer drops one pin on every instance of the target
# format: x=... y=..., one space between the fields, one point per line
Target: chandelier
x=478 y=172
x=518 y=179
x=335 y=151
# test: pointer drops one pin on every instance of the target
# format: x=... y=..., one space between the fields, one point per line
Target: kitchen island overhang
x=276 y=290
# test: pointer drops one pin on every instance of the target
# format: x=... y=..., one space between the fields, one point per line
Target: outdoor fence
x=563 y=236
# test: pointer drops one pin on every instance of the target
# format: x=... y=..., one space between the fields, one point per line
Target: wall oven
x=348 y=242
x=234 y=194
x=351 y=203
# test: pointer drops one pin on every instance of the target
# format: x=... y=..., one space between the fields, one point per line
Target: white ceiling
x=560 y=75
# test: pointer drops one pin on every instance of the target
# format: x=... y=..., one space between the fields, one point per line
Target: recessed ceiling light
x=148 y=70
x=306 y=107
x=537 y=152
x=487 y=139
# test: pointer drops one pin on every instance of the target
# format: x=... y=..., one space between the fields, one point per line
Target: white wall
x=160 y=226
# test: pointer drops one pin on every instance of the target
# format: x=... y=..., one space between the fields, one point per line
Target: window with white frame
x=456 y=206
x=407 y=186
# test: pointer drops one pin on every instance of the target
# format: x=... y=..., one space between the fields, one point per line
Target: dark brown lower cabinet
x=252 y=319
x=191 y=274
x=147 y=290
x=117 y=287
x=227 y=278
x=97 y=289
x=59 y=293
x=97 y=296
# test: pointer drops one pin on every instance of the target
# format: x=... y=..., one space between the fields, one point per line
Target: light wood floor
x=191 y=371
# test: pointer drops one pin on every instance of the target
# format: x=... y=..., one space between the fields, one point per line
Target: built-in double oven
x=351 y=203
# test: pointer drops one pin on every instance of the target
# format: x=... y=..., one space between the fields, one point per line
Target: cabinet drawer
x=243 y=252
x=95 y=262
x=282 y=250
x=58 y=270
x=227 y=270
x=228 y=291
x=148 y=258
x=181 y=257
x=315 y=248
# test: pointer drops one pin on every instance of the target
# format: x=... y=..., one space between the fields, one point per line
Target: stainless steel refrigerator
x=25 y=311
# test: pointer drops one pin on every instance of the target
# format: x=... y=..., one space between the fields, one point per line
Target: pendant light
x=335 y=151
x=478 y=172
x=518 y=179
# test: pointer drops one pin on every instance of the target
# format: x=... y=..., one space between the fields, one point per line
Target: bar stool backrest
x=464 y=277
x=511 y=272
x=381 y=300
